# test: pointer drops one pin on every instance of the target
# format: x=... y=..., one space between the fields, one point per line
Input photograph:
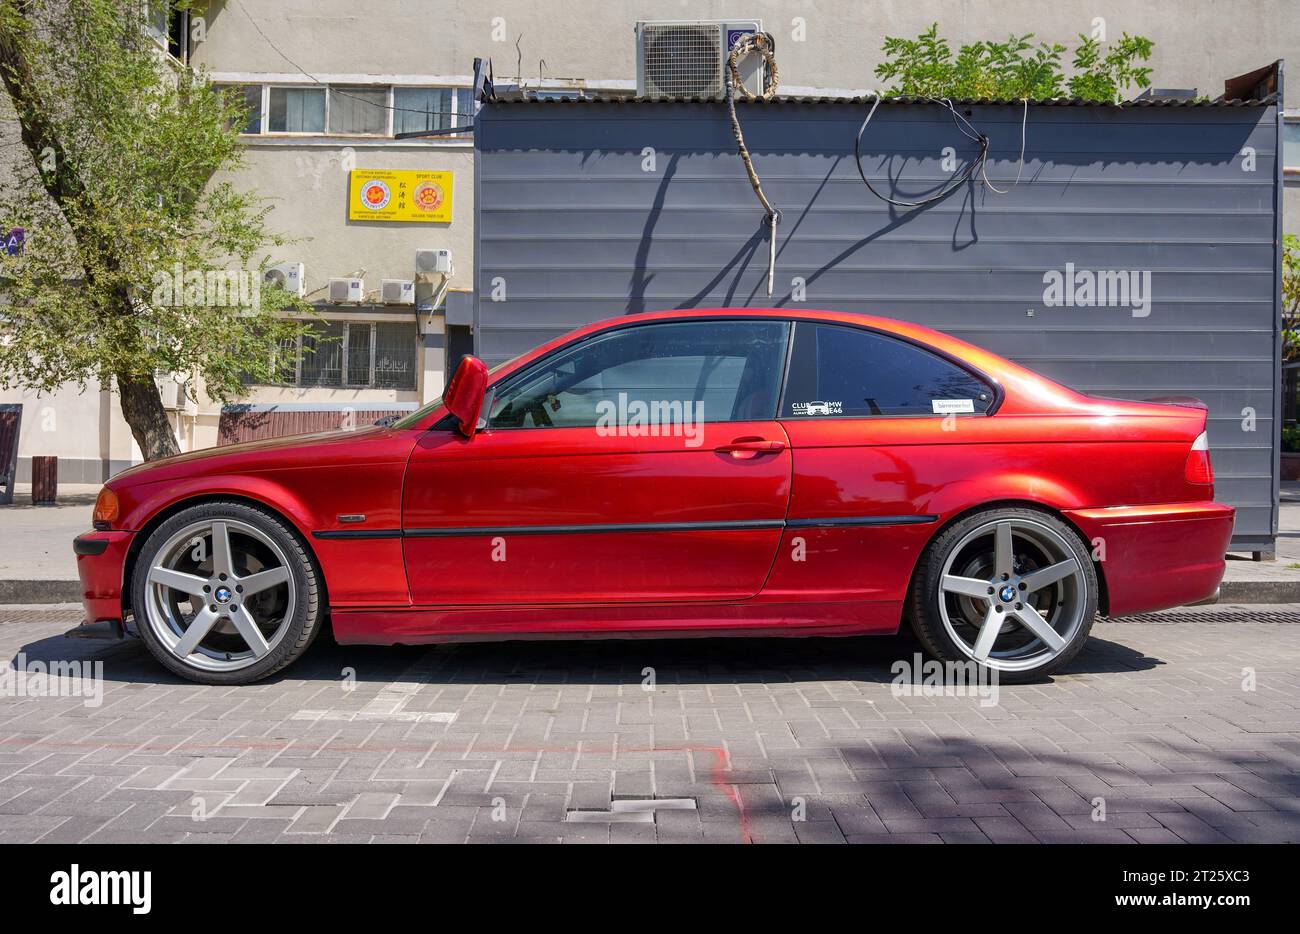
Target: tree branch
x=63 y=185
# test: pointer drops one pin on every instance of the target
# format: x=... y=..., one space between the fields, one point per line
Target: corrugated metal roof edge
x=867 y=99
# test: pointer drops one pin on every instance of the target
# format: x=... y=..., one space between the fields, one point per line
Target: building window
x=320 y=355
x=158 y=14
x=1291 y=143
x=297 y=110
x=353 y=355
x=418 y=110
x=249 y=96
x=394 y=359
x=359 y=110
x=355 y=110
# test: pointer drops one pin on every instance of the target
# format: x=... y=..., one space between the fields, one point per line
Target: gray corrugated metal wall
x=574 y=224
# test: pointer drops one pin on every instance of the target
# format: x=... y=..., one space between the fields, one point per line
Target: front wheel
x=1013 y=590
x=225 y=593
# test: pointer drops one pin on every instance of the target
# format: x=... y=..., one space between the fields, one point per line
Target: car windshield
x=410 y=421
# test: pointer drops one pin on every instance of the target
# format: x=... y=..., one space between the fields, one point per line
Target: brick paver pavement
x=718 y=740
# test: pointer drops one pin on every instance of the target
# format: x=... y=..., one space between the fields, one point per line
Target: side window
x=855 y=373
x=723 y=370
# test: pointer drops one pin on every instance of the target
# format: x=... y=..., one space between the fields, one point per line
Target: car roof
x=1013 y=379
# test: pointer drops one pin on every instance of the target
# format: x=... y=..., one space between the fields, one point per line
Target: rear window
x=854 y=373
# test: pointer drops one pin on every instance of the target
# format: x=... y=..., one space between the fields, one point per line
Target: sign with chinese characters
x=407 y=195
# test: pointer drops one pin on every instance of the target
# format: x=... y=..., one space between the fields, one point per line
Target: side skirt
x=424 y=625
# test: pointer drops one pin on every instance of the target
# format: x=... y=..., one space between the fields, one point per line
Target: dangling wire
x=1024 y=121
x=762 y=44
x=977 y=165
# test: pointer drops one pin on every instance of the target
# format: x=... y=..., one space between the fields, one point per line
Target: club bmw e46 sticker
x=817 y=408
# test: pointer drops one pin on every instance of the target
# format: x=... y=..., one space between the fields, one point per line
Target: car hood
x=248 y=455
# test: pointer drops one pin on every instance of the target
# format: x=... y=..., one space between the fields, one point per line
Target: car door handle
x=746 y=448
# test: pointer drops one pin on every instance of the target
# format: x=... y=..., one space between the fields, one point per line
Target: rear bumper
x=1157 y=557
x=101 y=561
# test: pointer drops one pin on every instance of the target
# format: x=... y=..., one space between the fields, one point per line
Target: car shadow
x=867 y=659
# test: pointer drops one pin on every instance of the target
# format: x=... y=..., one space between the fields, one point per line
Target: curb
x=1283 y=591
x=40 y=591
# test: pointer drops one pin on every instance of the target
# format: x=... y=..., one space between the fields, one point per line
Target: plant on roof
x=1015 y=69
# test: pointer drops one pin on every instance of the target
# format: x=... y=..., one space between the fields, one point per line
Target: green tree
x=134 y=253
x=1012 y=70
x=1290 y=297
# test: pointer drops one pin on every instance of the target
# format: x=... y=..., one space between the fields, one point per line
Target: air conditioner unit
x=174 y=397
x=689 y=58
x=288 y=276
x=172 y=393
x=433 y=261
x=397 y=291
x=347 y=291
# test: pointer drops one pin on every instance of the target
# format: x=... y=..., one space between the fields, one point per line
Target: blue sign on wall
x=734 y=36
x=13 y=241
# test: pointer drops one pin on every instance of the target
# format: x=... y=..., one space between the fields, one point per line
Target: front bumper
x=1160 y=556
x=101 y=565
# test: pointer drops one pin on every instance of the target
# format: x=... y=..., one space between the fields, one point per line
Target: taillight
x=1199 y=469
x=106 y=509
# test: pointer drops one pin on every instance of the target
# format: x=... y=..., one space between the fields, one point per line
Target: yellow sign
x=405 y=195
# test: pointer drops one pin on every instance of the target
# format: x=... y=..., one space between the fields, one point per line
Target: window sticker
x=817 y=408
x=953 y=406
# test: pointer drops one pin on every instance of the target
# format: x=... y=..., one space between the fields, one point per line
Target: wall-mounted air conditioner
x=437 y=262
x=288 y=276
x=347 y=291
x=688 y=58
x=174 y=397
x=172 y=393
x=397 y=291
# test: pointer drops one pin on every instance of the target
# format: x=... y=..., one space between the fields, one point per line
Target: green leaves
x=1012 y=70
x=1290 y=297
x=1104 y=75
x=126 y=186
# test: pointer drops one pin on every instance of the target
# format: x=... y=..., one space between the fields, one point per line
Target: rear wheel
x=1013 y=590
x=225 y=593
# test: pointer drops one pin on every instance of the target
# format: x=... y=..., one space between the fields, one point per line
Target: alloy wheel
x=219 y=595
x=1013 y=594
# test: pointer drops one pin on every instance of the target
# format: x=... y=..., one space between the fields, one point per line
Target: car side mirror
x=465 y=394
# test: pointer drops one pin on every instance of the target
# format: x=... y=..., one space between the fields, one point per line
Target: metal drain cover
x=630 y=811
x=1209 y=616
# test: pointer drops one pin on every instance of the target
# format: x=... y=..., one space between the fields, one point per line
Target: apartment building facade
x=381 y=217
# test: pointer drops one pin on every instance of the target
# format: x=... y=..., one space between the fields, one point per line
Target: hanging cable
x=1020 y=167
x=976 y=166
x=762 y=44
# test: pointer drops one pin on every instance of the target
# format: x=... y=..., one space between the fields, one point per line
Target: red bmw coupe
x=698 y=473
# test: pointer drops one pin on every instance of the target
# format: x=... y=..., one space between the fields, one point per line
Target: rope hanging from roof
x=761 y=44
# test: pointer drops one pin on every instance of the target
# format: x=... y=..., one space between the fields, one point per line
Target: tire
x=1019 y=612
x=234 y=580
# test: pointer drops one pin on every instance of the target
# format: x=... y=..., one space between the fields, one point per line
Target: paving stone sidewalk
x=683 y=741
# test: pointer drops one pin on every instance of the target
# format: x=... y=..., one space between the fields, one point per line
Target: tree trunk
x=143 y=410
